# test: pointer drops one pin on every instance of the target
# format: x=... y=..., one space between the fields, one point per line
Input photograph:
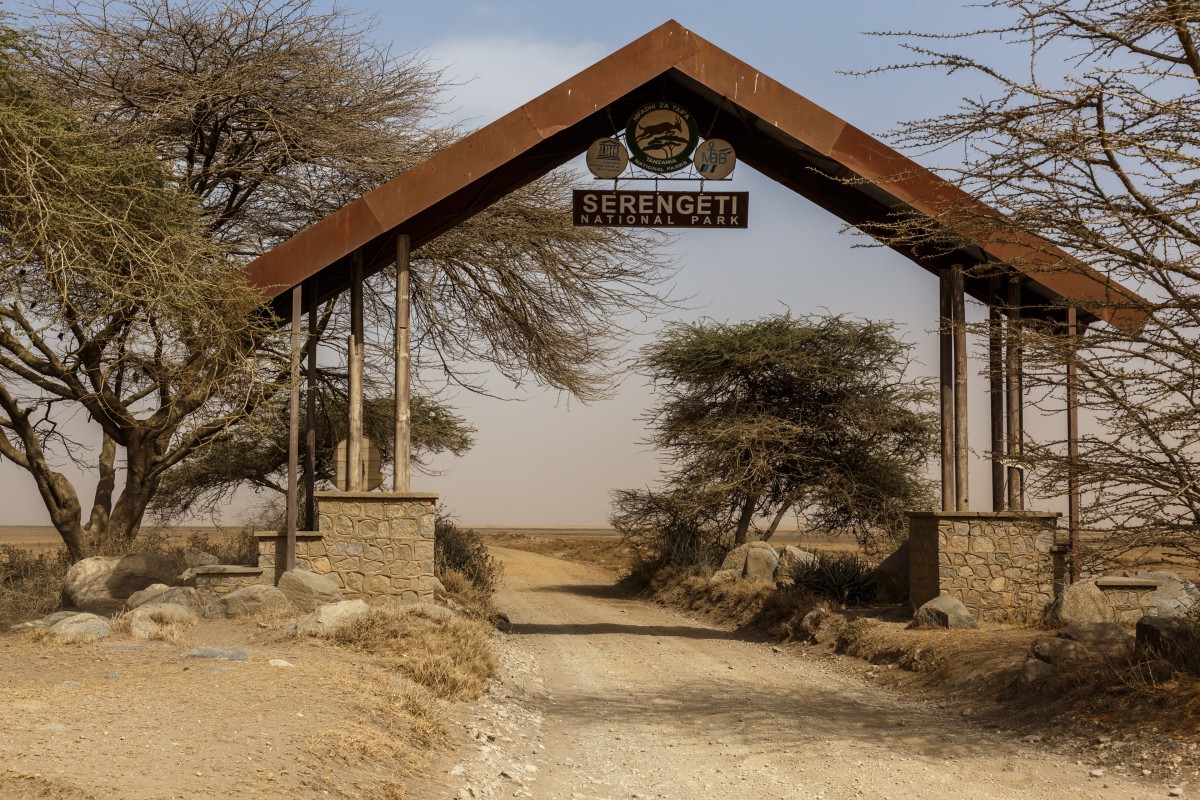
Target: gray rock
x=1035 y=672
x=149 y=621
x=324 y=620
x=1082 y=602
x=944 y=612
x=438 y=586
x=199 y=558
x=80 y=628
x=1060 y=652
x=822 y=625
x=145 y=595
x=1107 y=638
x=735 y=560
x=179 y=595
x=249 y=601
x=217 y=653
x=1174 y=597
x=790 y=558
x=307 y=590
x=1170 y=638
x=891 y=577
x=102 y=580
x=761 y=560
x=45 y=622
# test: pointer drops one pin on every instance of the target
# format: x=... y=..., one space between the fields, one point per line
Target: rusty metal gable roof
x=776 y=131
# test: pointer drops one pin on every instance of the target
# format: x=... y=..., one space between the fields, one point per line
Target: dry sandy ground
x=609 y=698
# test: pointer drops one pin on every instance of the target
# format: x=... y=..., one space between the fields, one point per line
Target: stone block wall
x=310 y=553
x=1001 y=565
x=378 y=545
x=219 y=579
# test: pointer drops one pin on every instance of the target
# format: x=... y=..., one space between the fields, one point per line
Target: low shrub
x=463 y=550
x=30 y=585
x=842 y=577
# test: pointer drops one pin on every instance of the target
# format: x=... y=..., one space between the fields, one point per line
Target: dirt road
x=610 y=698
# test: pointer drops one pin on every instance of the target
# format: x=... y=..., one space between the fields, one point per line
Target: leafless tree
x=1096 y=148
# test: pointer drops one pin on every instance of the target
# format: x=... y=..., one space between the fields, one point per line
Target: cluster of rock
x=148 y=588
x=758 y=561
x=1126 y=599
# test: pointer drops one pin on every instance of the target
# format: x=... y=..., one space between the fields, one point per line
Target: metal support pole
x=1012 y=382
x=996 y=394
x=946 y=378
x=961 y=450
x=1073 y=491
x=310 y=421
x=400 y=475
x=294 y=432
x=354 y=460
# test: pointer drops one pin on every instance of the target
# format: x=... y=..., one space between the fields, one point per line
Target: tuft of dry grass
x=469 y=598
x=452 y=657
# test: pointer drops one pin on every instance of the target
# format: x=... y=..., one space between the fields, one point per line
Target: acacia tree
x=1096 y=148
x=759 y=418
x=113 y=303
x=272 y=114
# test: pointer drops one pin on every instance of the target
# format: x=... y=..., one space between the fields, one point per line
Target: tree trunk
x=788 y=502
x=743 y=528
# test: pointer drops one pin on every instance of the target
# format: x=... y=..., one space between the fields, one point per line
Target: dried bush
x=462 y=550
x=843 y=577
x=30 y=584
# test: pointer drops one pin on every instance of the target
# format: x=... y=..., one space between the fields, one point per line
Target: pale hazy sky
x=546 y=460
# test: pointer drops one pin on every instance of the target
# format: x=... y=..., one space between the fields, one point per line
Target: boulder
x=1174 y=597
x=151 y=621
x=1170 y=638
x=944 y=612
x=1060 y=652
x=1035 y=672
x=735 y=560
x=102 y=580
x=249 y=601
x=80 y=628
x=324 y=620
x=790 y=558
x=181 y=595
x=46 y=621
x=822 y=625
x=439 y=588
x=307 y=590
x=145 y=595
x=1107 y=638
x=891 y=577
x=761 y=560
x=1082 y=602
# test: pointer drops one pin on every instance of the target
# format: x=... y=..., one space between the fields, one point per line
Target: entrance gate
x=798 y=144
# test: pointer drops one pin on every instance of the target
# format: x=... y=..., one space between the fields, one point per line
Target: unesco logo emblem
x=715 y=159
x=661 y=137
x=606 y=158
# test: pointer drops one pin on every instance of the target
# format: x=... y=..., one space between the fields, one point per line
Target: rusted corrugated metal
x=775 y=130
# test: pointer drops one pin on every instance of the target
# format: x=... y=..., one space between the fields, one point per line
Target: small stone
x=457 y=770
x=279 y=662
x=68 y=684
x=1096 y=773
x=1175 y=792
x=218 y=653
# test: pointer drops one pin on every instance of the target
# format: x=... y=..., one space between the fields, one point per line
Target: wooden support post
x=946 y=378
x=354 y=460
x=996 y=393
x=310 y=421
x=1073 y=490
x=294 y=432
x=403 y=445
x=1012 y=382
x=961 y=447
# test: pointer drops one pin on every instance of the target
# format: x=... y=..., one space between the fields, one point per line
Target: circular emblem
x=715 y=159
x=661 y=137
x=607 y=158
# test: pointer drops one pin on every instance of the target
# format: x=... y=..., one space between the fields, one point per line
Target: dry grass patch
x=451 y=657
x=609 y=552
x=22 y=786
x=389 y=737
